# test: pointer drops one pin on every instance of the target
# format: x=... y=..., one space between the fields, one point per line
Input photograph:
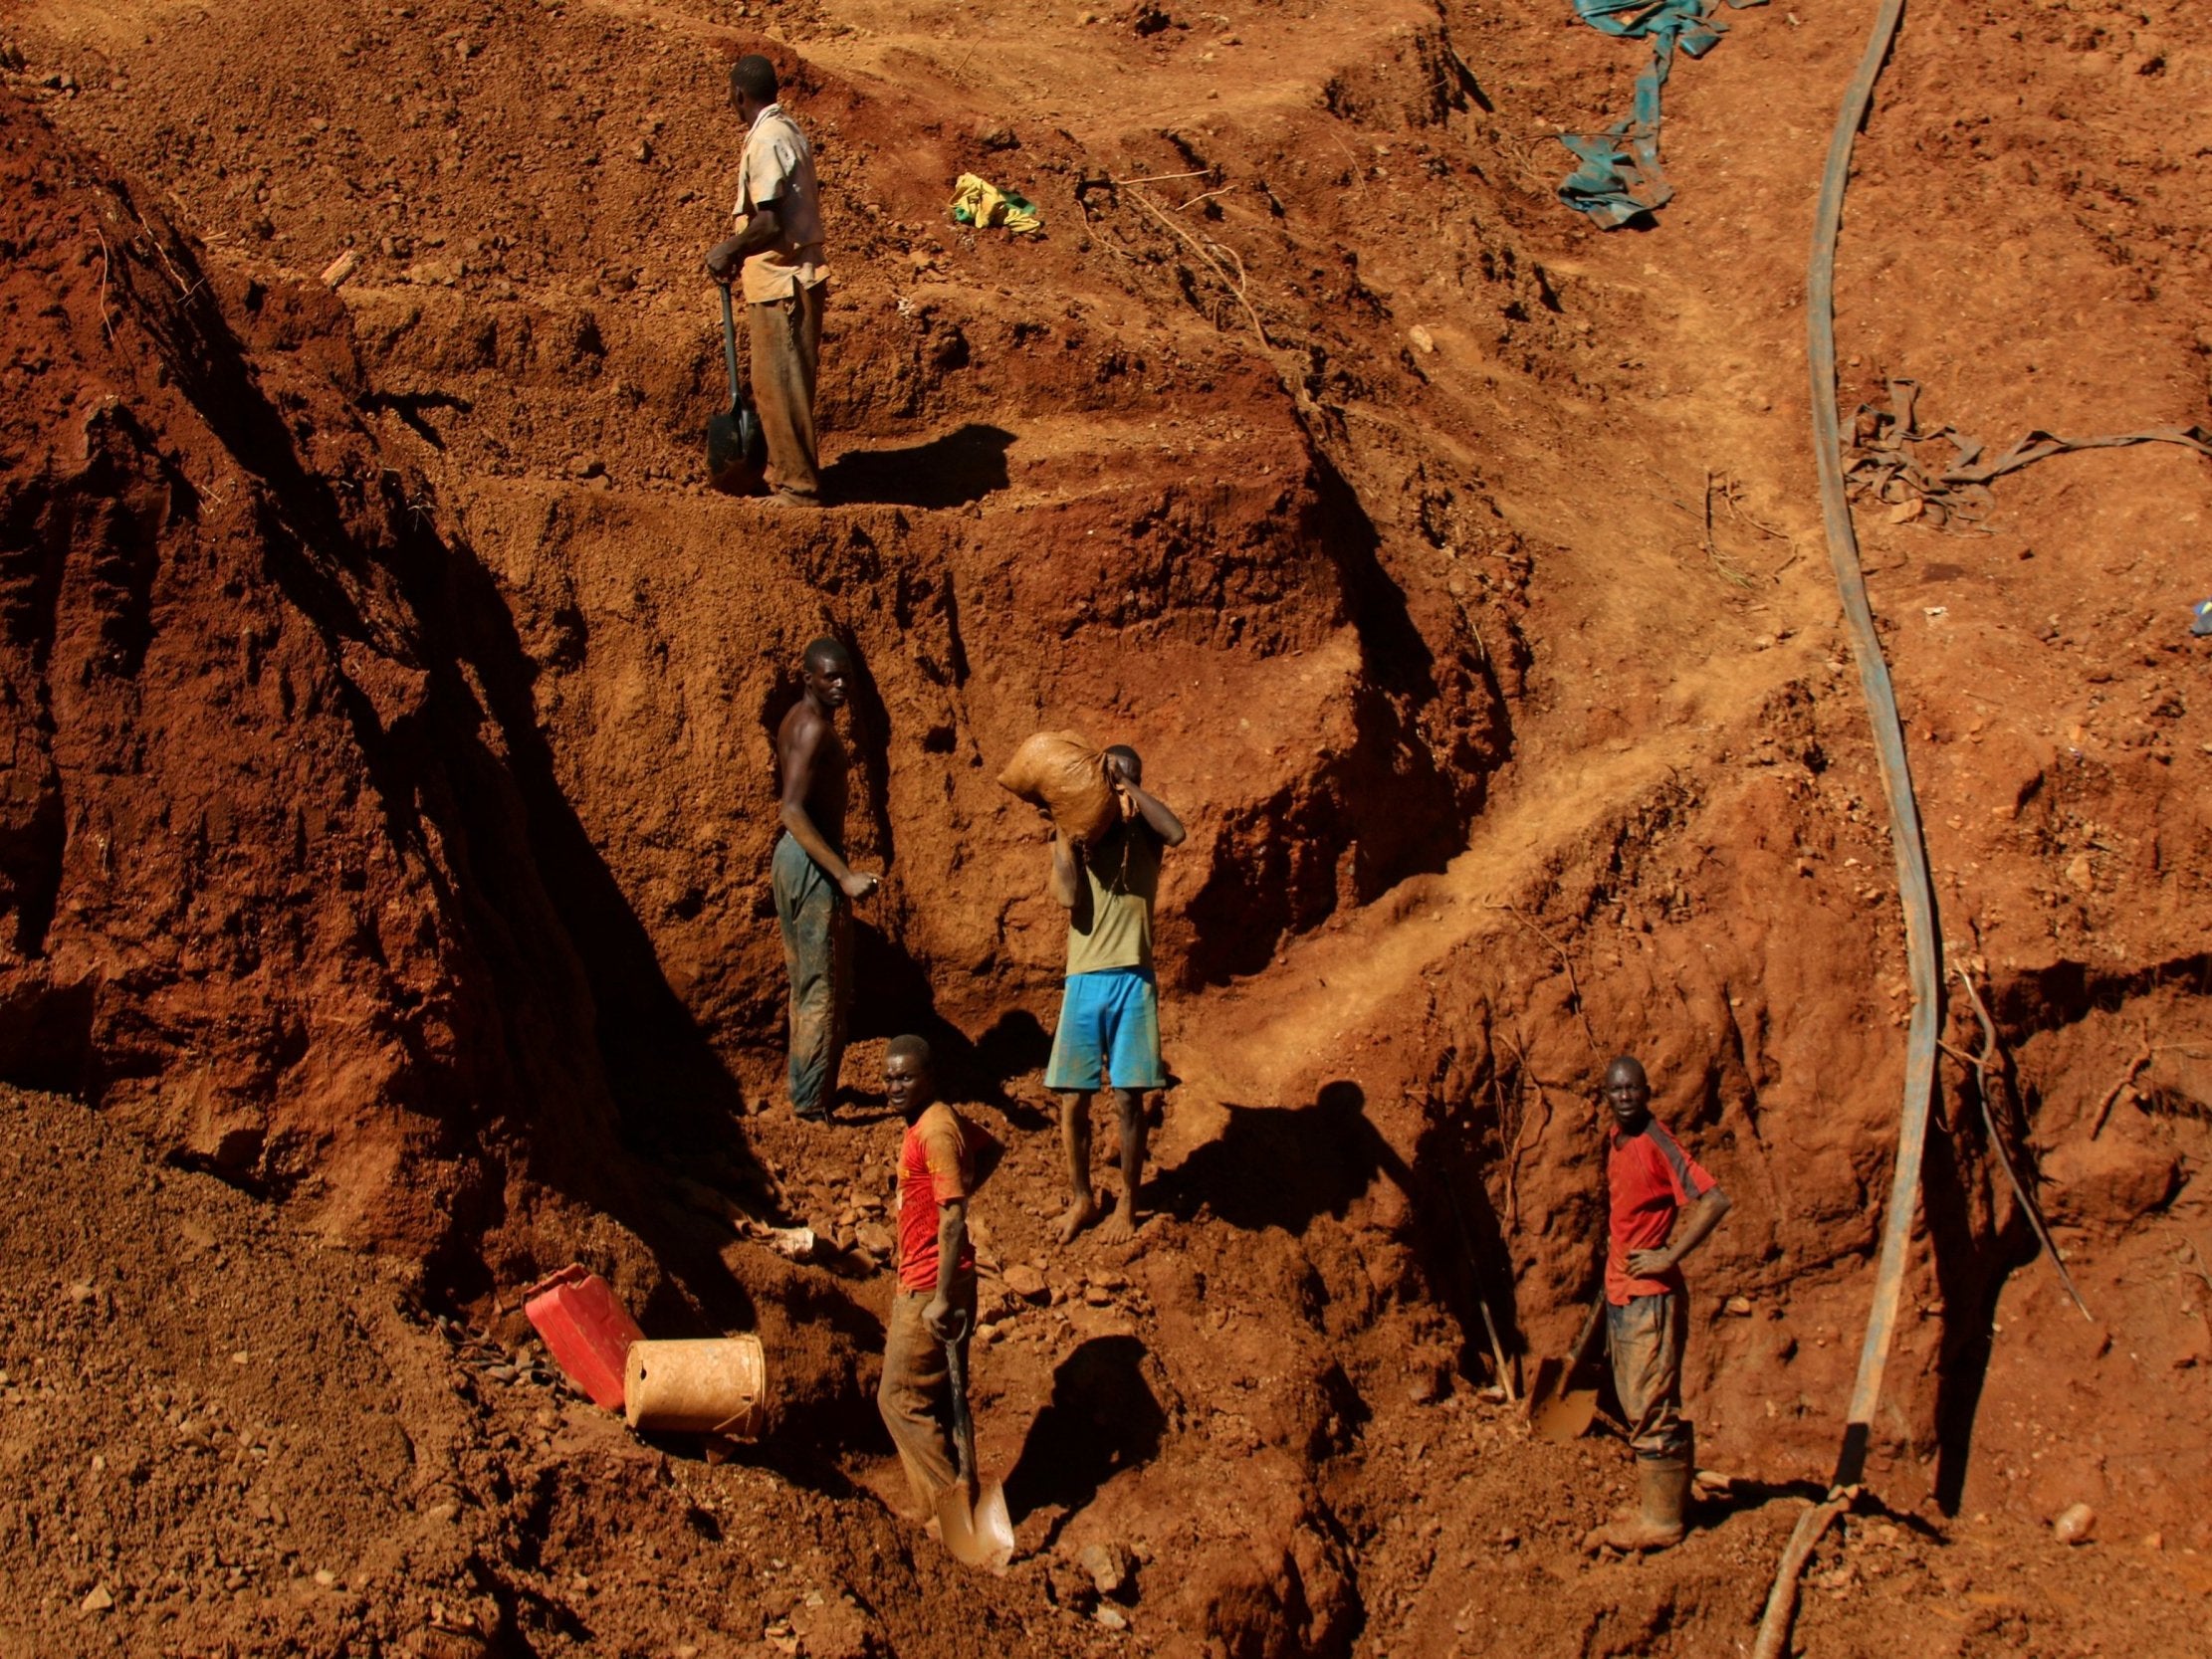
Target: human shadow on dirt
x=952 y=470
x=1461 y=1240
x=900 y=999
x=1103 y=1419
x=1280 y=1166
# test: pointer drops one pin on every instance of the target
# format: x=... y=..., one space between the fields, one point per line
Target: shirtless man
x=815 y=886
x=1110 y=1014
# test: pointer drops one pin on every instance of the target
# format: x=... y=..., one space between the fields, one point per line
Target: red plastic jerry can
x=588 y=1333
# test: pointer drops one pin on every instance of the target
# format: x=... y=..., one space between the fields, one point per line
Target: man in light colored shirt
x=776 y=255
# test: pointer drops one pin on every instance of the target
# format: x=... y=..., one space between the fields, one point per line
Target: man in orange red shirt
x=935 y=1303
x=1663 y=1205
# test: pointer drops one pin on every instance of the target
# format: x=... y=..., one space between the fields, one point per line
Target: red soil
x=384 y=854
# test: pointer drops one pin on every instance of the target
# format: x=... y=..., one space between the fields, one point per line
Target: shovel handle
x=1585 y=1343
x=730 y=343
x=964 y=1426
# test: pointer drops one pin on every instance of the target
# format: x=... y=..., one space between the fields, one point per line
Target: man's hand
x=1649 y=1264
x=858 y=884
x=722 y=260
x=938 y=1316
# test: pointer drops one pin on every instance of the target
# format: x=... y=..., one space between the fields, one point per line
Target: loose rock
x=1110 y=1567
x=2074 y=1525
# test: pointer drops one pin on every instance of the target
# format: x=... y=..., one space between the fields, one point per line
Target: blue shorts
x=1110 y=1021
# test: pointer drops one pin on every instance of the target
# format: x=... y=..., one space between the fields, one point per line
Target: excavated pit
x=383 y=858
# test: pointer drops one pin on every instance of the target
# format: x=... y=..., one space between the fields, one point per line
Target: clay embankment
x=1688 y=814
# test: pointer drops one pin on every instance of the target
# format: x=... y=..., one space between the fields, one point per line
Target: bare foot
x=1121 y=1226
x=1080 y=1214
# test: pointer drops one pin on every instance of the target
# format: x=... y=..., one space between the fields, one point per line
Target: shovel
x=736 y=450
x=1564 y=1397
x=972 y=1520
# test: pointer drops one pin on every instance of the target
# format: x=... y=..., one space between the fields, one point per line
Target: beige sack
x=1062 y=773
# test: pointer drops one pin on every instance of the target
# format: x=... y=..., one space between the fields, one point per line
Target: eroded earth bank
x=384 y=917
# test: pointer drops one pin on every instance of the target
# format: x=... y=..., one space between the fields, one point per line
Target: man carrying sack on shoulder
x=779 y=244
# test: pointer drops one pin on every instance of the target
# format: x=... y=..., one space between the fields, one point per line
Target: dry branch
x=2112 y=1095
x=1236 y=284
x=1774 y=1626
x=1573 y=986
x=2028 y=1203
x=107 y=264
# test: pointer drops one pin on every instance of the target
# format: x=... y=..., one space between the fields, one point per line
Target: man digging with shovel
x=923 y=1394
x=777 y=252
x=1662 y=1205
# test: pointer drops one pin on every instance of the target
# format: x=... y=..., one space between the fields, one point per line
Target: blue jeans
x=815 y=919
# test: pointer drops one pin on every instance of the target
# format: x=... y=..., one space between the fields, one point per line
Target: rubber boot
x=1664 y=1485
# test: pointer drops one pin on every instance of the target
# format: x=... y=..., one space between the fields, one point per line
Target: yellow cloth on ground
x=981 y=203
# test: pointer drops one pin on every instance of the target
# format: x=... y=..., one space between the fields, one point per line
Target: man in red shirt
x=935 y=1301
x=1663 y=1205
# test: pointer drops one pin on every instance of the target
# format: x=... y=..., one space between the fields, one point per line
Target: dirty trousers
x=916 y=1396
x=787 y=339
x=816 y=921
x=1646 y=1338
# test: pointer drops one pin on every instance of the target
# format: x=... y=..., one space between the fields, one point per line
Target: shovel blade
x=1564 y=1402
x=1568 y=1416
x=737 y=459
x=979 y=1533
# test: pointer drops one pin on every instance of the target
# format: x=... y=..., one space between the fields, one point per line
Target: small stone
x=2074 y=1525
x=1098 y=1296
x=324 y=1576
x=641 y=152
x=996 y=135
x=96 y=1600
x=1423 y=341
x=1739 y=1306
x=1027 y=1283
x=80 y=1292
x=1109 y=1565
x=1113 y=1618
x=873 y=1237
x=241 y=1357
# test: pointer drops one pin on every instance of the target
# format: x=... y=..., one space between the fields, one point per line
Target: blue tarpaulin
x=1619 y=175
